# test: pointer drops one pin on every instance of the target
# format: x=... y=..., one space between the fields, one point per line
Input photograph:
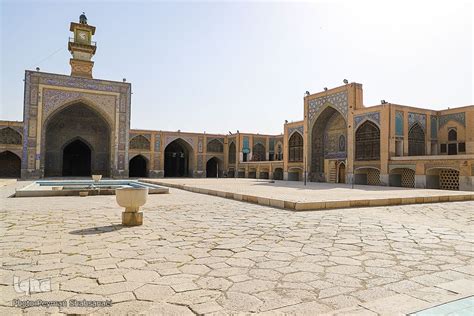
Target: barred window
x=462 y=147
x=452 y=135
x=368 y=142
x=443 y=148
x=232 y=152
x=416 y=141
x=258 y=152
x=295 y=148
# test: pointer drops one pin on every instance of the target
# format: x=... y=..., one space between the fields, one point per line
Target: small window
x=443 y=148
x=452 y=135
x=462 y=147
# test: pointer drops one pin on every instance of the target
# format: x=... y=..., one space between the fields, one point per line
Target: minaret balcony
x=89 y=47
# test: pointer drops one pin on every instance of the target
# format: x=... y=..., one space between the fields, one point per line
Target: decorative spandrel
x=372 y=116
x=139 y=142
x=299 y=129
x=414 y=118
x=457 y=117
x=9 y=136
x=336 y=100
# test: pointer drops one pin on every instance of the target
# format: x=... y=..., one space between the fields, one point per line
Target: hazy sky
x=223 y=66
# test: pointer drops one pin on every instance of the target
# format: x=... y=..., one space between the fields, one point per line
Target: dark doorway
x=342 y=173
x=212 y=167
x=278 y=174
x=176 y=159
x=137 y=167
x=10 y=165
x=452 y=149
x=77 y=159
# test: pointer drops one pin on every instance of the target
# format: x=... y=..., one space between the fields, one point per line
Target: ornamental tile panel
x=245 y=146
x=434 y=127
x=414 y=118
x=399 y=120
x=271 y=145
x=299 y=129
x=200 y=163
x=458 y=117
x=171 y=138
x=53 y=98
x=259 y=140
x=157 y=143
x=371 y=116
x=337 y=100
x=200 y=144
x=34 y=95
x=78 y=82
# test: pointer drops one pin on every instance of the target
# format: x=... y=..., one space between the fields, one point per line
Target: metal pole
x=217 y=173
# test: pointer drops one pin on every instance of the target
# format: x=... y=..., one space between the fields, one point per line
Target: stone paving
x=199 y=254
x=294 y=195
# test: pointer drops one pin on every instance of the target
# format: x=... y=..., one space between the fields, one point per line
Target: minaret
x=82 y=48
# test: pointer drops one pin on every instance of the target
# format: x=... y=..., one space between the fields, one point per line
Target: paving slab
x=296 y=196
x=197 y=253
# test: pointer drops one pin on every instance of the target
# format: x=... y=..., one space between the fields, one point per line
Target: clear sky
x=223 y=66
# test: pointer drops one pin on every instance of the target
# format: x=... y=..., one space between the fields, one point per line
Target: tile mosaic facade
x=458 y=117
x=299 y=129
x=434 y=127
x=399 y=123
x=414 y=118
x=371 y=116
x=336 y=100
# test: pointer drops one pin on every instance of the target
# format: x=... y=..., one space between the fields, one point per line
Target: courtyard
x=201 y=254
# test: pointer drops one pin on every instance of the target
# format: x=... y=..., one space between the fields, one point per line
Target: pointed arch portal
x=178 y=159
x=77 y=159
x=77 y=142
x=137 y=166
x=10 y=165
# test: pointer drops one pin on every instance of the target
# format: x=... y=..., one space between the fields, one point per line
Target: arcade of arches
x=77 y=143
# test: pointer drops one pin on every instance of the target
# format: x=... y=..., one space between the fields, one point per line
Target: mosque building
x=75 y=125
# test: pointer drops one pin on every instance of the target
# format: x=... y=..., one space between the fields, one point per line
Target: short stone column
x=132 y=199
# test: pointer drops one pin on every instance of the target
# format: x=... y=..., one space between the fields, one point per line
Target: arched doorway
x=402 y=177
x=137 y=167
x=77 y=121
x=325 y=141
x=278 y=174
x=178 y=159
x=341 y=178
x=76 y=159
x=10 y=165
x=442 y=178
x=212 y=167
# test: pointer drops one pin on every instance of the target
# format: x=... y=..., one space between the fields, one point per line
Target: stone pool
x=84 y=187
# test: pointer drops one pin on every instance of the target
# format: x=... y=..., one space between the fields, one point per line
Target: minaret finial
x=83 y=18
